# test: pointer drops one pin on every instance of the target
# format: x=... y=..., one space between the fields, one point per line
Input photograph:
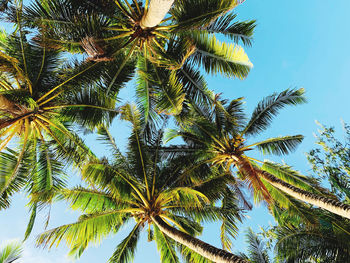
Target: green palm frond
x=287 y=209
x=49 y=174
x=145 y=93
x=212 y=185
x=185 y=195
x=279 y=145
x=256 y=250
x=14 y=174
x=286 y=173
x=199 y=13
x=89 y=108
x=11 y=252
x=187 y=224
x=166 y=246
x=220 y=57
x=269 y=107
x=126 y=249
x=172 y=96
x=139 y=160
x=238 y=31
x=33 y=208
x=90 y=201
x=104 y=175
x=89 y=228
x=229 y=227
x=107 y=139
x=194 y=85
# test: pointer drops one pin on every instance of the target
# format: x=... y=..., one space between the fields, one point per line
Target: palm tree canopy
x=144 y=184
x=102 y=34
x=222 y=132
x=325 y=241
x=43 y=99
x=185 y=40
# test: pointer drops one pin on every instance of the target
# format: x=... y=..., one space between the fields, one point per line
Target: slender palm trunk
x=331 y=205
x=198 y=246
x=156 y=12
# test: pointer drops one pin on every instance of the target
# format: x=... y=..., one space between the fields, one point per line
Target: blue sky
x=297 y=44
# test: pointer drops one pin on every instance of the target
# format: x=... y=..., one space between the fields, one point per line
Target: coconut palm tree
x=75 y=26
x=10 y=252
x=222 y=135
x=153 y=189
x=182 y=41
x=41 y=97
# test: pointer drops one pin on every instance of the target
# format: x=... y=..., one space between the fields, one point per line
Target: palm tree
x=171 y=50
x=221 y=134
x=41 y=98
x=10 y=252
x=153 y=189
x=142 y=29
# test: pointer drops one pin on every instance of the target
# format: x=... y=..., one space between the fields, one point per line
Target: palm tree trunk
x=198 y=246
x=331 y=205
x=156 y=12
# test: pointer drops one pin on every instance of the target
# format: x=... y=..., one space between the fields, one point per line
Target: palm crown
x=39 y=104
x=182 y=41
x=149 y=187
x=189 y=30
x=221 y=134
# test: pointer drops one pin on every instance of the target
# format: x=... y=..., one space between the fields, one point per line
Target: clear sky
x=297 y=44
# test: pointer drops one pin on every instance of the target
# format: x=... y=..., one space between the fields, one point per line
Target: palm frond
x=256 y=250
x=171 y=98
x=145 y=93
x=90 y=108
x=220 y=57
x=166 y=246
x=199 y=13
x=231 y=215
x=183 y=195
x=89 y=228
x=107 y=177
x=11 y=252
x=31 y=222
x=90 y=201
x=287 y=174
x=11 y=168
x=237 y=31
x=126 y=249
x=279 y=145
x=269 y=108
